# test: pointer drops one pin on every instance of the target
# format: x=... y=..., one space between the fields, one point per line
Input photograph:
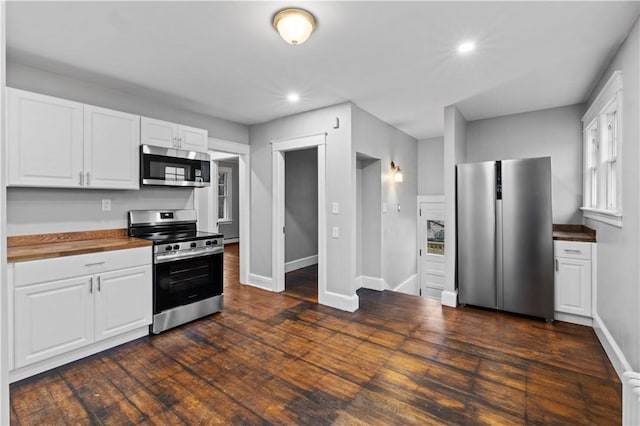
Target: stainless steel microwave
x=173 y=167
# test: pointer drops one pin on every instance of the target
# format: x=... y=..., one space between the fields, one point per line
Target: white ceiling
x=396 y=60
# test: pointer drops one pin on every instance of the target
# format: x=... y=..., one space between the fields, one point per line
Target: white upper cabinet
x=170 y=135
x=45 y=140
x=111 y=149
x=158 y=133
x=54 y=142
x=193 y=139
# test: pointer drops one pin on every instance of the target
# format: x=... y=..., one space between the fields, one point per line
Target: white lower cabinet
x=70 y=307
x=51 y=319
x=573 y=281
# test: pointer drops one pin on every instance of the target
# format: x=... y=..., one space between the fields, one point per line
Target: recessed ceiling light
x=466 y=47
x=293 y=97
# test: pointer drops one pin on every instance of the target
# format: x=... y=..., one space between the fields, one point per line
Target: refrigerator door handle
x=499 y=259
x=557 y=268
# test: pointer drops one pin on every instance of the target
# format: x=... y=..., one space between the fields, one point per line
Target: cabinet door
x=52 y=318
x=123 y=301
x=44 y=140
x=158 y=133
x=112 y=149
x=573 y=286
x=193 y=139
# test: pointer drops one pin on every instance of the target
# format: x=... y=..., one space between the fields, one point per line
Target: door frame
x=434 y=199
x=244 y=194
x=278 y=148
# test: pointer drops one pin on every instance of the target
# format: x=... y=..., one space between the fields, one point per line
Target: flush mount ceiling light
x=294 y=25
x=466 y=47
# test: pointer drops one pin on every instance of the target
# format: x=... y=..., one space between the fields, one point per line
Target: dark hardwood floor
x=302 y=283
x=282 y=359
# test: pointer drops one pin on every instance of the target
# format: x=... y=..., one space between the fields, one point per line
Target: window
x=224 y=194
x=602 y=142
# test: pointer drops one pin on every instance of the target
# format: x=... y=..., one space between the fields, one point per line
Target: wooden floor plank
x=271 y=358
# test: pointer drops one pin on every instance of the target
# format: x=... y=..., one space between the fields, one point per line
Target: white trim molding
x=279 y=147
x=303 y=262
x=371 y=283
x=339 y=301
x=231 y=240
x=261 y=282
x=601 y=215
x=450 y=298
x=223 y=145
x=613 y=351
x=409 y=286
x=608 y=91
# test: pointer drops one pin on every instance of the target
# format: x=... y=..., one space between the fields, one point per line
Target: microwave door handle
x=81 y=178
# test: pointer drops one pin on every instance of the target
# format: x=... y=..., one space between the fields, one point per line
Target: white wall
x=33 y=210
x=618 y=295
x=377 y=139
x=47 y=210
x=340 y=259
x=555 y=133
x=231 y=230
x=369 y=218
x=431 y=166
x=455 y=141
x=301 y=204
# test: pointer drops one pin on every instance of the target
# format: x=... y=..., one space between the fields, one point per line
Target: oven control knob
x=215 y=241
x=194 y=245
x=176 y=247
x=208 y=243
x=168 y=248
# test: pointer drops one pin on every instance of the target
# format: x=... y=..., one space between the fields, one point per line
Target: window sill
x=606 y=216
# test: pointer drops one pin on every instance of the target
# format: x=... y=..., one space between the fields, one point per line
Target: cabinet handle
x=88 y=178
x=98 y=282
x=180 y=139
x=81 y=178
x=91 y=285
x=175 y=141
x=556 y=264
x=572 y=251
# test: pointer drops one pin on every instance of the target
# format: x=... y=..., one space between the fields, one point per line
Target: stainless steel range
x=187 y=266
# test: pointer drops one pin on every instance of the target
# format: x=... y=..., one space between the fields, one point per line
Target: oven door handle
x=176 y=257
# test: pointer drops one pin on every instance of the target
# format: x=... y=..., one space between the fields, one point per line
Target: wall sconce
x=397 y=172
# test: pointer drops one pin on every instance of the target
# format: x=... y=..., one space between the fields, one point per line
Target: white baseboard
x=409 y=286
x=231 y=240
x=74 y=355
x=260 y=281
x=294 y=265
x=610 y=346
x=574 y=319
x=433 y=293
x=450 y=298
x=371 y=283
x=339 y=301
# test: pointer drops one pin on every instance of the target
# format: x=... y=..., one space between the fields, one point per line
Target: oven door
x=183 y=281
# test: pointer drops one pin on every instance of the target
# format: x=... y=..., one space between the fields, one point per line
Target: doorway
x=279 y=149
x=368 y=223
x=206 y=200
x=301 y=223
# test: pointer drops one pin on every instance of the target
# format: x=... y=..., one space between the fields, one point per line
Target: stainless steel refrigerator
x=505 y=236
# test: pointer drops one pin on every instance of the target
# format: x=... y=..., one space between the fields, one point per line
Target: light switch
x=335 y=208
x=335 y=232
x=106 y=205
x=384 y=207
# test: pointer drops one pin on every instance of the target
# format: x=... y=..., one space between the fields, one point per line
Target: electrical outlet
x=335 y=232
x=106 y=205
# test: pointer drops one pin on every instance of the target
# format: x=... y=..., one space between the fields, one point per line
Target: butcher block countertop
x=42 y=246
x=578 y=233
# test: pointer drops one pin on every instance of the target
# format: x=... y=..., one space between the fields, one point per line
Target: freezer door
x=527 y=237
x=476 y=211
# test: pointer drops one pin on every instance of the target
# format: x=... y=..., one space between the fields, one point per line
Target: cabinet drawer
x=45 y=270
x=573 y=250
